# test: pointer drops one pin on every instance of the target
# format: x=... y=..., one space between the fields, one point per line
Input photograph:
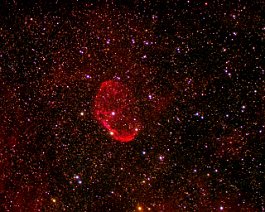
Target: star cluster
x=179 y=125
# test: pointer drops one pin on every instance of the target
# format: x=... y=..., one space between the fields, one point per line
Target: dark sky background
x=132 y=105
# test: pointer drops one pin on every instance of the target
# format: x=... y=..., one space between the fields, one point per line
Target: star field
x=132 y=105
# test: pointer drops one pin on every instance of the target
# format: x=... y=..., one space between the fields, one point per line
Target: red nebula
x=116 y=110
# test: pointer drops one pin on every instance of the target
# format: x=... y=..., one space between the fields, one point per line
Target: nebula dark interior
x=132 y=105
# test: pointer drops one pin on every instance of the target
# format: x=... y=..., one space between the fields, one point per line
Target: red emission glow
x=116 y=110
